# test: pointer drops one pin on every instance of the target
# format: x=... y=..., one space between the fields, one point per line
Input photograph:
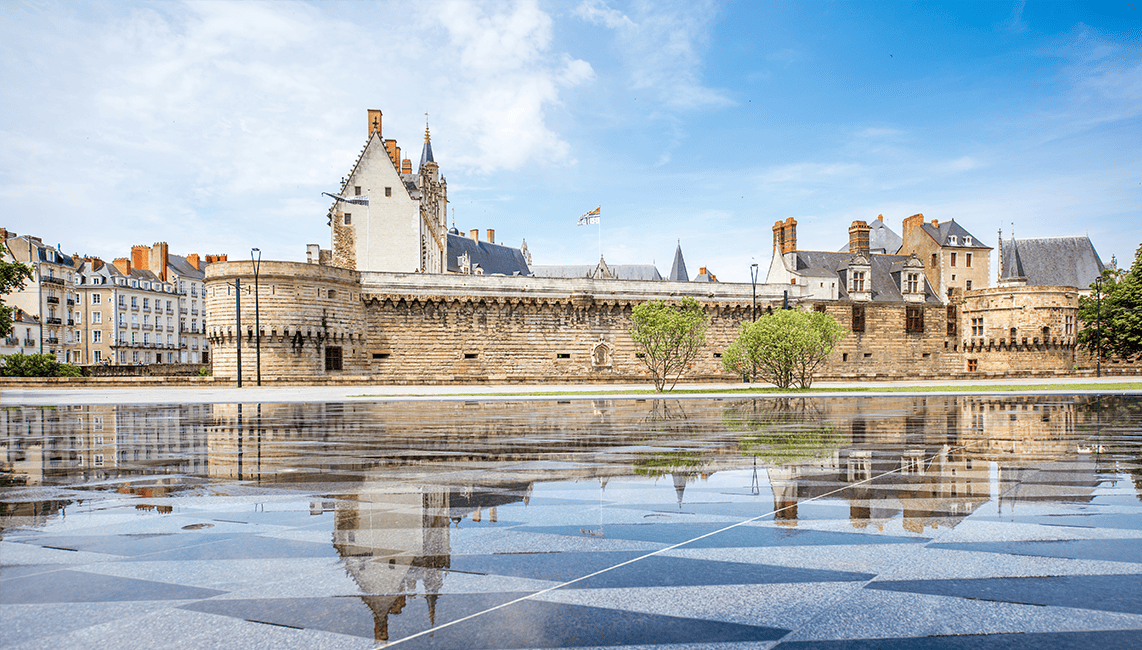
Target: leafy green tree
x=1120 y=330
x=37 y=365
x=784 y=348
x=12 y=277
x=668 y=337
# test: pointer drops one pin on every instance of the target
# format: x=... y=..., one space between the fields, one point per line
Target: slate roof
x=884 y=281
x=881 y=239
x=1053 y=261
x=948 y=229
x=678 y=269
x=494 y=259
x=184 y=268
x=646 y=272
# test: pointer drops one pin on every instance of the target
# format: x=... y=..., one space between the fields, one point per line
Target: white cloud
x=597 y=11
x=663 y=48
x=505 y=82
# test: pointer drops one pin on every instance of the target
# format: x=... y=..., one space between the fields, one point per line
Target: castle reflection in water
x=400 y=476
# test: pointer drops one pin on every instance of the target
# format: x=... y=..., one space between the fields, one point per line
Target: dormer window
x=967 y=241
x=952 y=240
x=913 y=283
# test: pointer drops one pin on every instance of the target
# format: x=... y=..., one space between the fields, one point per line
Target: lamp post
x=753 y=281
x=1098 y=326
x=238 y=320
x=257 y=313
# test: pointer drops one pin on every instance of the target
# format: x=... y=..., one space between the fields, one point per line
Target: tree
x=784 y=348
x=669 y=337
x=1112 y=320
x=36 y=365
x=12 y=277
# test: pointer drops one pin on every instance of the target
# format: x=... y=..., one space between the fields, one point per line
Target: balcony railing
x=134 y=326
x=51 y=280
x=29 y=343
x=53 y=321
x=182 y=310
x=52 y=341
x=170 y=310
x=70 y=302
x=12 y=340
x=71 y=322
x=52 y=300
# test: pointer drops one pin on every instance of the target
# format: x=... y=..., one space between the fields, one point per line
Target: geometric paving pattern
x=875 y=542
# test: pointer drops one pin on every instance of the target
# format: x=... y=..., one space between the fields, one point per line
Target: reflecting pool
x=935 y=521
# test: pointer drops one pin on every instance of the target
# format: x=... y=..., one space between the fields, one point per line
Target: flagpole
x=600 y=237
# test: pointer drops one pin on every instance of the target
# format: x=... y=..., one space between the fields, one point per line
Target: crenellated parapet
x=307 y=315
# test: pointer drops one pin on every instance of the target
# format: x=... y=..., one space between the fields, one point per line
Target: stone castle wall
x=1030 y=328
x=434 y=328
x=302 y=310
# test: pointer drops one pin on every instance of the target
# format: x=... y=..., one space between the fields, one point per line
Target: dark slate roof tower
x=678 y=271
x=1052 y=261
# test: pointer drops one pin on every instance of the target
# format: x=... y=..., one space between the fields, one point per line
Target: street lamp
x=753 y=280
x=238 y=322
x=257 y=313
x=1098 y=326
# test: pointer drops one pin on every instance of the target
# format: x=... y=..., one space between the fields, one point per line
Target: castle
x=400 y=299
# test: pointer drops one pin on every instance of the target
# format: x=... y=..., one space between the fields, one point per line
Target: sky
x=215 y=126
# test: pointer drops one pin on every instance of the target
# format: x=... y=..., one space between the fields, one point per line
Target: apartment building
x=145 y=309
x=49 y=298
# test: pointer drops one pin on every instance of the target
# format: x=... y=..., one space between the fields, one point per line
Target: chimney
x=491 y=236
x=123 y=264
x=406 y=166
x=475 y=234
x=778 y=237
x=935 y=223
x=858 y=238
x=193 y=260
x=140 y=257
x=6 y=234
x=701 y=270
x=391 y=147
x=911 y=224
x=880 y=216
x=75 y=259
x=789 y=235
x=158 y=261
x=374 y=122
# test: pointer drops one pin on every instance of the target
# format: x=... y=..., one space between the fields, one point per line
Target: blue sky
x=215 y=126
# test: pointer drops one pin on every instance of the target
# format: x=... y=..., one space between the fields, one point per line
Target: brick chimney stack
x=123 y=264
x=475 y=233
x=858 y=238
x=194 y=261
x=374 y=122
x=140 y=257
x=491 y=236
x=911 y=224
x=785 y=236
x=158 y=260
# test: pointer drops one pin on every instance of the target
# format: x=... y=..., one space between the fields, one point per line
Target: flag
x=592 y=217
x=355 y=200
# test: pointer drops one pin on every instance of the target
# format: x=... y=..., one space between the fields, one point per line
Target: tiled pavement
x=437 y=561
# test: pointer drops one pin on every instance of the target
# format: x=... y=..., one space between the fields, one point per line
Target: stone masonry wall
x=1044 y=321
x=433 y=328
x=303 y=310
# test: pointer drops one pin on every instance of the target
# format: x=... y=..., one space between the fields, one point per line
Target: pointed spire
x=678 y=270
x=426 y=152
